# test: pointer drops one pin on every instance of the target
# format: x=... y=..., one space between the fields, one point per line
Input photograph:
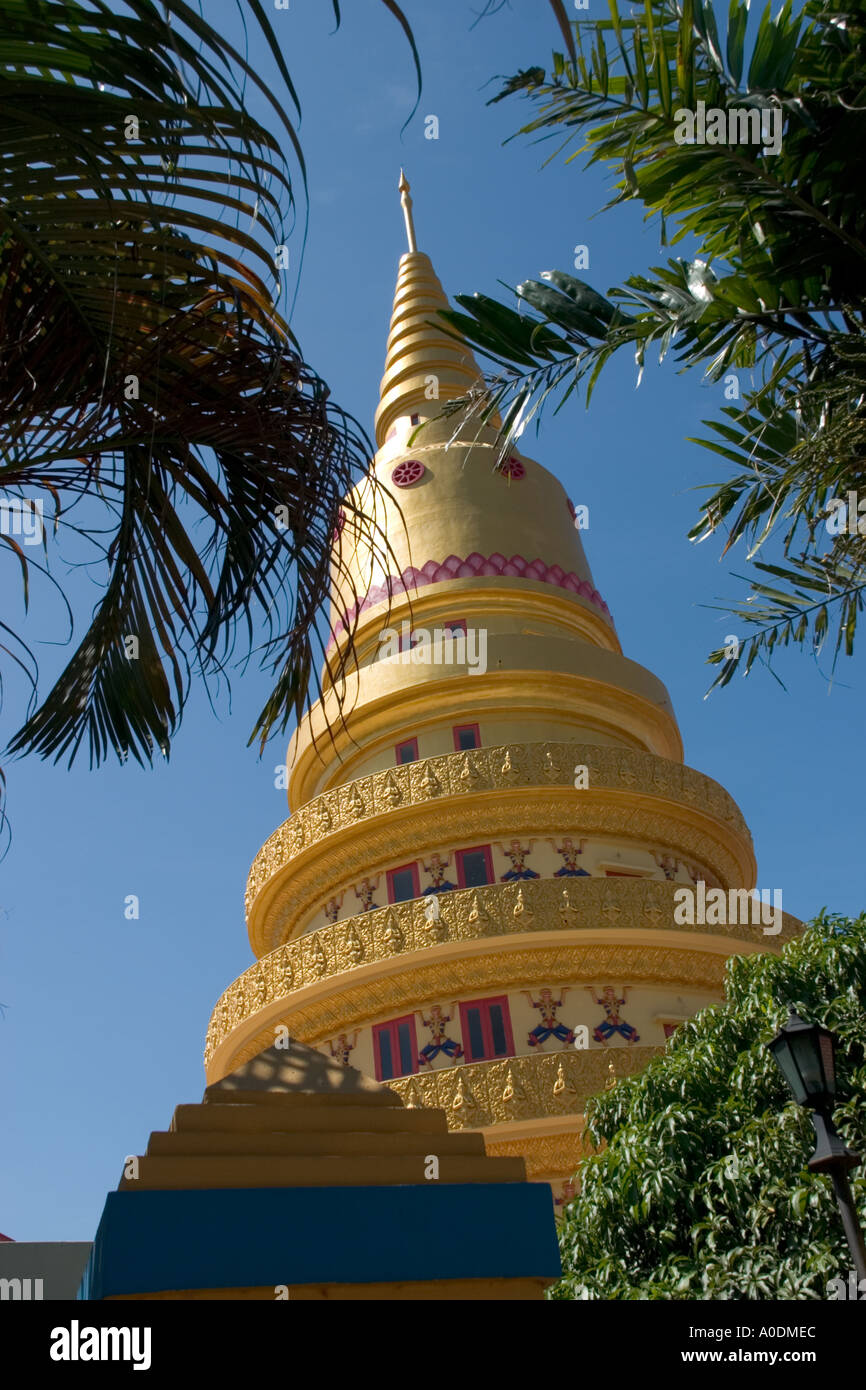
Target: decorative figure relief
x=439 y=1041
x=549 y=1027
x=561 y=1086
x=436 y=869
x=469 y=772
x=518 y=855
x=570 y=854
x=698 y=875
x=521 y=912
x=476 y=912
x=332 y=908
x=393 y=934
x=320 y=960
x=284 y=975
x=567 y=1194
x=513 y=1090
x=412 y=1097
x=567 y=908
x=612 y=1022
x=667 y=864
x=297 y=832
x=356 y=802
x=364 y=892
x=430 y=784
x=341 y=1048
x=464 y=1106
x=391 y=791
x=355 y=946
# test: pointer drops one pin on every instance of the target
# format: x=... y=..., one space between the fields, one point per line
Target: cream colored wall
x=436 y=736
x=645 y=1009
x=531 y=683
x=460 y=506
x=492 y=623
x=544 y=860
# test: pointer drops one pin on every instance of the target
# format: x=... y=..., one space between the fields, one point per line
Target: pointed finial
x=406 y=203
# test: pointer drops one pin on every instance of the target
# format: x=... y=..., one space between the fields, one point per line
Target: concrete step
x=349 y=1119
x=352 y=1171
x=310 y=1143
x=222 y=1094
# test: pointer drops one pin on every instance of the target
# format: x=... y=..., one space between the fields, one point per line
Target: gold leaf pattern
x=538 y=764
x=488 y=912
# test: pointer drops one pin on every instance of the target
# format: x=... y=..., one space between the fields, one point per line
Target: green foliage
x=701 y=1189
x=776 y=289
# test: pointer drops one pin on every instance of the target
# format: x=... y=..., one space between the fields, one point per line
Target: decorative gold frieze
x=404 y=933
x=489 y=769
x=547 y=1156
x=427 y=976
x=518 y=1088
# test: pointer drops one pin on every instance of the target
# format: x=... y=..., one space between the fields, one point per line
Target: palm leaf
x=152 y=386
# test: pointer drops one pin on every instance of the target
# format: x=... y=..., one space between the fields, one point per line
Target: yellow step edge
x=347 y=1119
x=379 y=1099
x=189 y=1143
x=360 y=1171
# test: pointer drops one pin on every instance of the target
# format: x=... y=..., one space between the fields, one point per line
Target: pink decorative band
x=476 y=566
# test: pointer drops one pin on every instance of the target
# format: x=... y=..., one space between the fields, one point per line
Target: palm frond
x=151 y=382
x=777 y=288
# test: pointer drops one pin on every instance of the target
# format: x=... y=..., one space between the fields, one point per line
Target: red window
x=407 y=752
x=403 y=884
x=455 y=625
x=474 y=867
x=512 y=468
x=486 y=1025
x=466 y=736
x=408 y=472
x=395 y=1048
x=670 y=1029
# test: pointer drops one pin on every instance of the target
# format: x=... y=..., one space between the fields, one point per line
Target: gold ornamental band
x=520 y=1088
x=324 y=981
x=666 y=802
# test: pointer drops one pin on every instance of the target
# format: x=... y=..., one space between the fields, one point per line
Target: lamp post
x=805 y=1055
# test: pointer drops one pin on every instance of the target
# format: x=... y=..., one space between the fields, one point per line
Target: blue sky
x=105 y=1018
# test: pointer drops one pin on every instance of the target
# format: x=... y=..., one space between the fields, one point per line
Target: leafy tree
x=153 y=398
x=776 y=287
x=702 y=1190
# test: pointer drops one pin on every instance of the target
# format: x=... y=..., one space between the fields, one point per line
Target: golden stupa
x=475 y=896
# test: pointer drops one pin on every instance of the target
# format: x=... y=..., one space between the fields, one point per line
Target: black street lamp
x=805 y=1055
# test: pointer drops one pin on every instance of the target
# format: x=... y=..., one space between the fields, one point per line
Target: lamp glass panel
x=826 y=1044
x=806 y=1052
x=781 y=1050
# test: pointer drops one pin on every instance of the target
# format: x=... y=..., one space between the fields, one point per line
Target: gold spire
x=406 y=204
x=424 y=366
